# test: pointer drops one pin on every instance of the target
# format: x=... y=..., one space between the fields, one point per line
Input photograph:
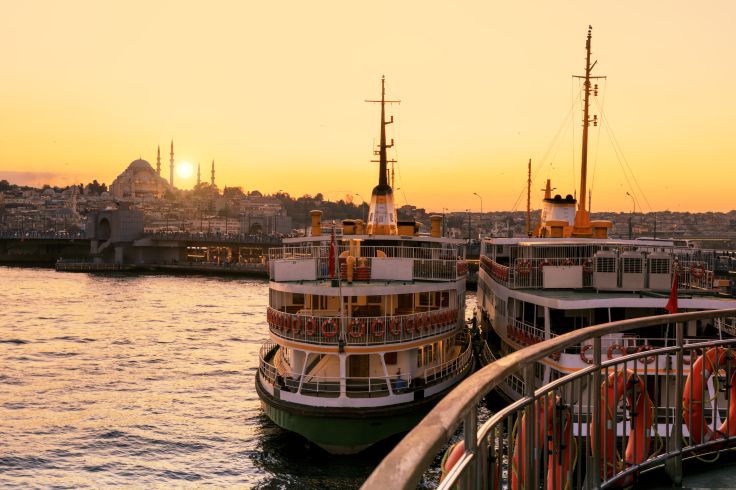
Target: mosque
x=140 y=182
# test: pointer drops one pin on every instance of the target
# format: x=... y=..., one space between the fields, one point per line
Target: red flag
x=672 y=302
x=331 y=266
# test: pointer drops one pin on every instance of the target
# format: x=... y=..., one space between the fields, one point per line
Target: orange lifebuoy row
x=522 y=336
x=623 y=351
x=285 y=322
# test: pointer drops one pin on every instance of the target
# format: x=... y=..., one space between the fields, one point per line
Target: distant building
x=139 y=182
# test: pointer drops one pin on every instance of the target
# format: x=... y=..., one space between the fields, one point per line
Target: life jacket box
x=659 y=268
x=605 y=270
x=632 y=271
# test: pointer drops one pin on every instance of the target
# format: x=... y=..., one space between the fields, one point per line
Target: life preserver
x=618 y=385
x=542 y=265
x=697 y=270
x=361 y=328
x=378 y=328
x=583 y=357
x=423 y=321
x=688 y=359
x=310 y=326
x=395 y=327
x=409 y=324
x=523 y=267
x=616 y=347
x=553 y=428
x=692 y=397
x=646 y=359
x=567 y=262
x=588 y=266
x=327 y=331
x=453 y=455
x=269 y=316
x=296 y=325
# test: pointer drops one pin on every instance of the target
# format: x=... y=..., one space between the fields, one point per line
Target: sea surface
x=146 y=381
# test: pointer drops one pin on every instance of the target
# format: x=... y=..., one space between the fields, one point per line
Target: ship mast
x=582 y=219
x=529 y=200
x=382 y=214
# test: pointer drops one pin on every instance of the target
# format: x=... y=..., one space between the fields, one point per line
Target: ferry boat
x=568 y=274
x=366 y=326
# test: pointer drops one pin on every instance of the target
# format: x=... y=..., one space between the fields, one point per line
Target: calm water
x=144 y=381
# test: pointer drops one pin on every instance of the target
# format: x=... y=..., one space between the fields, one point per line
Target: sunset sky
x=274 y=93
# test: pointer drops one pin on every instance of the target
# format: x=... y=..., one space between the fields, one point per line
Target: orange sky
x=274 y=92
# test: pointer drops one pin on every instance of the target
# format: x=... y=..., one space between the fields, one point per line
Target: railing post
x=470 y=433
x=528 y=428
x=595 y=468
x=673 y=466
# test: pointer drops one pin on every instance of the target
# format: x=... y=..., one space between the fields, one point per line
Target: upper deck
x=596 y=264
x=366 y=258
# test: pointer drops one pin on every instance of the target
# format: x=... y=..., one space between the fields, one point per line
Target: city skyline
x=484 y=87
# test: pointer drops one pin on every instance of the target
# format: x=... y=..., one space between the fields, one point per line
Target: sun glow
x=184 y=170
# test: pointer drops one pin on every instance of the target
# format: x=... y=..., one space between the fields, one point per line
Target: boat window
x=390 y=358
x=297 y=299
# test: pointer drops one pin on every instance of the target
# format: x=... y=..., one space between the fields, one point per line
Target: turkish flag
x=331 y=266
x=672 y=302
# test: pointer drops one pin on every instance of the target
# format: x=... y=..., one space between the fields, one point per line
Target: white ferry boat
x=367 y=328
x=569 y=274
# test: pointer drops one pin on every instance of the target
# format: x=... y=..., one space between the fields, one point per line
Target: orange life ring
x=646 y=359
x=567 y=262
x=697 y=270
x=553 y=428
x=409 y=323
x=695 y=352
x=378 y=328
x=269 y=315
x=692 y=397
x=523 y=267
x=588 y=266
x=583 y=357
x=618 y=385
x=616 y=347
x=310 y=326
x=329 y=332
x=361 y=328
x=296 y=324
x=395 y=327
x=543 y=264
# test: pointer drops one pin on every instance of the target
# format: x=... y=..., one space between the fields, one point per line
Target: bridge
x=564 y=435
x=175 y=251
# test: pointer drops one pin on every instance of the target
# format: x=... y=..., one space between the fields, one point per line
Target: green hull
x=339 y=435
x=345 y=430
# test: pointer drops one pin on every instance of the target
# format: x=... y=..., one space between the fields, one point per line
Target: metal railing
x=322 y=249
x=205 y=237
x=594 y=428
x=363 y=387
x=529 y=273
x=363 y=330
x=45 y=235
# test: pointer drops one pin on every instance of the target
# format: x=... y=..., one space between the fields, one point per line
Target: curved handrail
x=404 y=465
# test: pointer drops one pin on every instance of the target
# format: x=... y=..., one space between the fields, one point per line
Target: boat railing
x=322 y=249
x=363 y=387
x=597 y=427
x=523 y=272
x=363 y=330
x=450 y=368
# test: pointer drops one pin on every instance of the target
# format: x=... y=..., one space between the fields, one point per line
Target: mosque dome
x=139 y=182
x=138 y=165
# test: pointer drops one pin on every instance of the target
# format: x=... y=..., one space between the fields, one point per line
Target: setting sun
x=184 y=170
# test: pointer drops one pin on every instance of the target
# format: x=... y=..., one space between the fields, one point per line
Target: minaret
x=212 y=181
x=199 y=174
x=382 y=214
x=171 y=166
x=158 y=161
